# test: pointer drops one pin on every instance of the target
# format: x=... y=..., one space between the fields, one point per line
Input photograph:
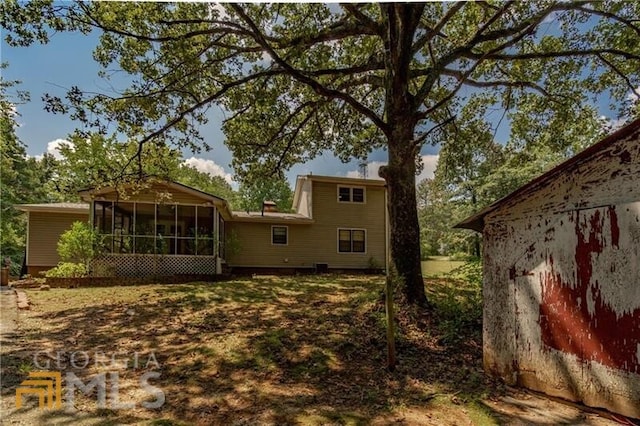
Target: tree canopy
x=23 y=179
x=94 y=160
x=297 y=79
x=252 y=195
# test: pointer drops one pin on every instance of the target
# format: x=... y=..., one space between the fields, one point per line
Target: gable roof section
x=476 y=222
x=79 y=208
x=86 y=193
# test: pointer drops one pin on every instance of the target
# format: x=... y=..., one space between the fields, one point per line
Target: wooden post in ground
x=391 y=325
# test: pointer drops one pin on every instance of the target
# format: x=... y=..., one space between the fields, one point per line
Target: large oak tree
x=296 y=80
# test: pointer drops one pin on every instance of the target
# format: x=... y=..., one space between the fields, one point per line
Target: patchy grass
x=439 y=265
x=304 y=350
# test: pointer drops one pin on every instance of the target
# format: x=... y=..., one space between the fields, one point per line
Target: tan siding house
x=317 y=240
x=167 y=228
x=46 y=223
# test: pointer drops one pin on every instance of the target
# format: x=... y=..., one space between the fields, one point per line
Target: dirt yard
x=304 y=350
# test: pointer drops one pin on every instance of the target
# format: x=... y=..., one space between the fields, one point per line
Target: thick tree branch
x=629 y=23
x=620 y=74
x=420 y=140
x=437 y=30
x=354 y=10
x=551 y=55
x=302 y=78
x=497 y=83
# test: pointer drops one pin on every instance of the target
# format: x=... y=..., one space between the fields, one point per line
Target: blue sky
x=67 y=61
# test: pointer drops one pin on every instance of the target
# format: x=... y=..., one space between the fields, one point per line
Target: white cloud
x=372 y=170
x=53 y=148
x=429 y=161
x=222 y=13
x=612 y=124
x=210 y=167
x=634 y=95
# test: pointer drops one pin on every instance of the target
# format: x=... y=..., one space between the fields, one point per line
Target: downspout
x=26 y=253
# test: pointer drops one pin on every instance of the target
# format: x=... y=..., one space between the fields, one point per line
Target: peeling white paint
x=531 y=249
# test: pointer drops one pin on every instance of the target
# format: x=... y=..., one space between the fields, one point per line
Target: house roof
x=171 y=184
x=80 y=208
x=345 y=180
x=476 y=222
x=271 y=217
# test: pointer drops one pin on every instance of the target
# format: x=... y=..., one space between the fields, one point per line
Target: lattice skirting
x=152 y=265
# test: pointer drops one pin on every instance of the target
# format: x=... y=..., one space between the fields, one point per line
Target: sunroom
x=164 y=228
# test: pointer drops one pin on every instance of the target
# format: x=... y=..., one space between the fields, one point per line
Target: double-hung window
x=351 y=194
x=351 y=240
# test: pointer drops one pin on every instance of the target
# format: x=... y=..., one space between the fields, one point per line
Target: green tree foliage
x=300 y=79
x=94 y=160
x=215 y=185
x=67 y=270
x=252 y=194
x=438 y=211
x=22 y=179
x=474 y=171
x=79 y=244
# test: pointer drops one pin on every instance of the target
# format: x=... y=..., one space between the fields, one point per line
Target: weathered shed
x=562 y=278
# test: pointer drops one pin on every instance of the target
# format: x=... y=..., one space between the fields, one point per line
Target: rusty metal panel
x=562 y=285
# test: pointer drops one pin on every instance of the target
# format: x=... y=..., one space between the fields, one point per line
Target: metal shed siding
x=562 y=284
x=44 y=232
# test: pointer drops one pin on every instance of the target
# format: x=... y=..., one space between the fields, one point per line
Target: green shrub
x=78 y=244
x=470 y=272
x=67 y=270
x=460 y=304
x=465 y=257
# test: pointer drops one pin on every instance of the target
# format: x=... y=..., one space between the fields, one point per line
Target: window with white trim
x=351 y=240
x=351 y=194
x=279 y=235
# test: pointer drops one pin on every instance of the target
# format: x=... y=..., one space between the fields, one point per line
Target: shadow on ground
x=267 y=350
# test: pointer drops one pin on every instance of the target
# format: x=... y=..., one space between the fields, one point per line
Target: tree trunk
x=400 y=175
x=401 y=21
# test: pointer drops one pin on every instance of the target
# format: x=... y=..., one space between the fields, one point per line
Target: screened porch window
x=144 y=228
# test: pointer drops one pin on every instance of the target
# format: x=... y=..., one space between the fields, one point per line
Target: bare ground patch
x=269 y=350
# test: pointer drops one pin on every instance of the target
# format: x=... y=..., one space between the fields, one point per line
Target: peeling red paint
x=615 y=229
x=602 y=335
x=625 y=157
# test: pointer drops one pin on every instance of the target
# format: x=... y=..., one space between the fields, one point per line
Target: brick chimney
x=269 y=207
